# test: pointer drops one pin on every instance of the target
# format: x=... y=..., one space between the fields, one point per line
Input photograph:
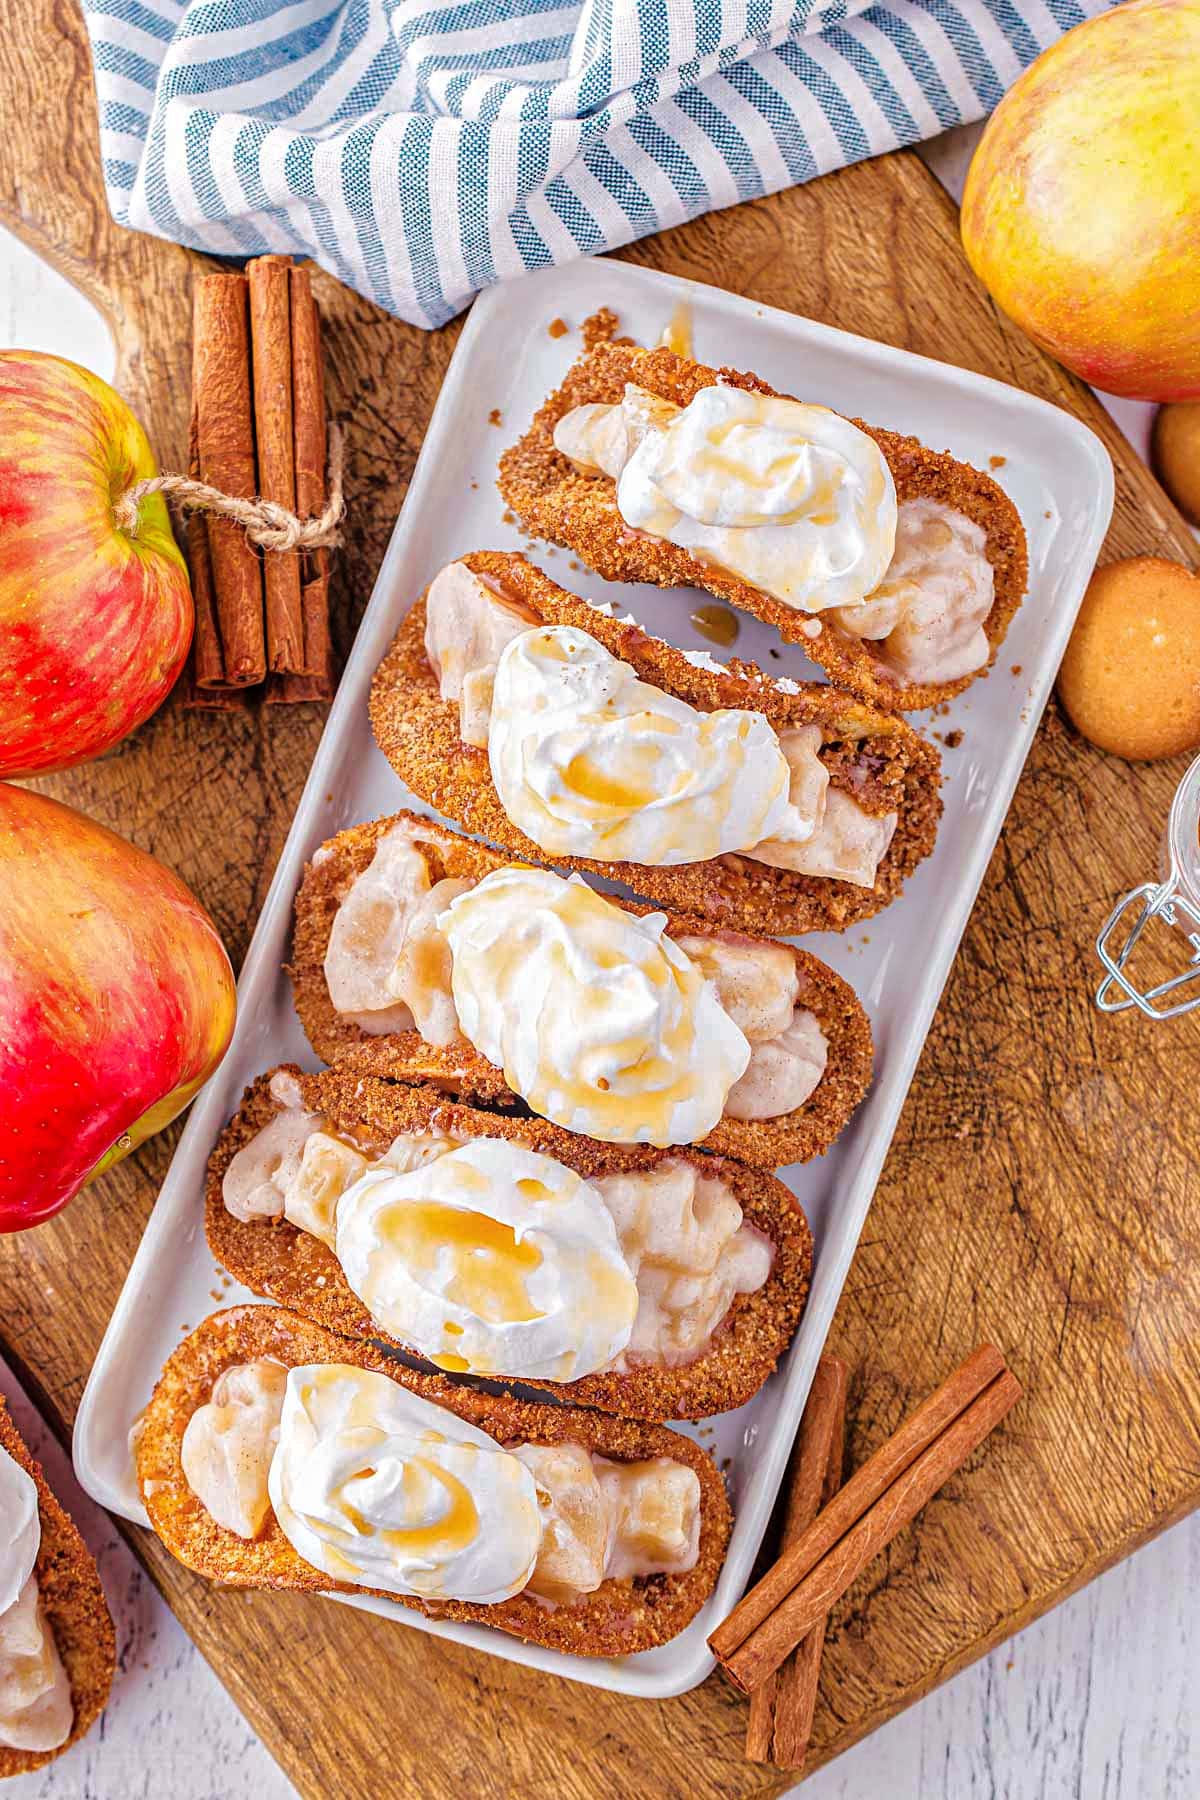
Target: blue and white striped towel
x=423 y=149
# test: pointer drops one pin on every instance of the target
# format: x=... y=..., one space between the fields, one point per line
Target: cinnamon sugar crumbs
x=599 y=328
x=557 y=328
x=997 y=462
x=953 y=739
x=1017 y=669
x=495 y=417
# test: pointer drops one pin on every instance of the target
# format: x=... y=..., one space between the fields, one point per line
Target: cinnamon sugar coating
x=75 y=1609
x=297 y=1270
x=875 y=756
x=555 y=501
x=617 y=1618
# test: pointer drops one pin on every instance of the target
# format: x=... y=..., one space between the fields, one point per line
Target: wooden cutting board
x=1042 y=1189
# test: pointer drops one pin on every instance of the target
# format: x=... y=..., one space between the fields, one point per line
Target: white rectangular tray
x=1060 y=478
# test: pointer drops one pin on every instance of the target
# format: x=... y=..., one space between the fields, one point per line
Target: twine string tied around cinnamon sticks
x=265 y=523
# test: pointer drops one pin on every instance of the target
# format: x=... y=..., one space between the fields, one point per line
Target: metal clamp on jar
x=1175 y=900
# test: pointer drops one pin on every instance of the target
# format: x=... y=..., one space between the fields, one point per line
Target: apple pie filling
x=376 y=1486
x=36 y=1709
x=600 y=1021
x=492 y=1259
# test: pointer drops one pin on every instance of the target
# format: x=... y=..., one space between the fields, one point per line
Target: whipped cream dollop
x=492 y=1259
x=928 y=612
x=599 y=1020
x=791 y=497
x=801 y=504
x=229 y=1442
x=588 y=760
x=20 y=1528
x=374 y=1485
x=36 y=1708
x=386 y=967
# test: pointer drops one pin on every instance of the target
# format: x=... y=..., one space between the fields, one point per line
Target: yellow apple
x=1081 y=213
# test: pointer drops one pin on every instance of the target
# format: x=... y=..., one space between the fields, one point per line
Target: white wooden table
x=1099 y=1701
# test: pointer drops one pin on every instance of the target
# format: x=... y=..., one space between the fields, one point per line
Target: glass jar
x=1175 y=901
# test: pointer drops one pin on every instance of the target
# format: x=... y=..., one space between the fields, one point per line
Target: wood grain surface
x=1042 y=1190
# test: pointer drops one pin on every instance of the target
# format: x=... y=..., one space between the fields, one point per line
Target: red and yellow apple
x=116 y=1001
x=94 y=622
x=1081 y=213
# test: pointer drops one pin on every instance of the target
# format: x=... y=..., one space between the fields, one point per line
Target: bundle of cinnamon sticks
x=770 y=1645
x=258 y=431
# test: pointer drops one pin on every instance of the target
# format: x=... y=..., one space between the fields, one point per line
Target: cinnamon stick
x=288 y=690
x=865 y=1515
x=861 y=1491
x=225 y=444
x=271 y=345
x=311 y=455
x=206 y=689
x=781 y=1710
x=208 y=663
x=216 y=699
x=208 y=666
